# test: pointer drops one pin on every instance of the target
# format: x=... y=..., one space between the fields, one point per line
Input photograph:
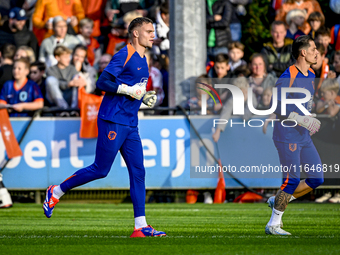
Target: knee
x=98 y=173
x=314 y=182
x=51 y=82
x=290 y=186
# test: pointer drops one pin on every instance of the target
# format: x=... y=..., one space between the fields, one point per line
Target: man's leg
x=289 y=155
x=54 y=94
x=132 y=152
x=310 y=159
x=110 y=138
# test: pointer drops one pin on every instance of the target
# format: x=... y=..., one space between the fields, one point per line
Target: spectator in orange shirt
x=46 y=10
x=308 y=5
x=93 y=48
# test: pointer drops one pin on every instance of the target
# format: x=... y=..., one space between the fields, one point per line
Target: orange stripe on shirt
x=131 y=50
x=3 y=101
x=38 y=100
x=310 y=69
x=293 y=73
x=285 y=183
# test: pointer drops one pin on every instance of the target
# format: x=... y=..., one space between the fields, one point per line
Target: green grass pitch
x=191 y=229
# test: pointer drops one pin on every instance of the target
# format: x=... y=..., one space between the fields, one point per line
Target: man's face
x=235 y=54
x=103 y=62
x=319 y=61
x=60 y=29
x=35 y=74
x=325 y=40
x=221 y=69
x=16 y=25
x=146 y=34
x=278 y=33
x=86 y=30
x=312 y=53
x=336 y=63
x=20 y=70
x=79 y=56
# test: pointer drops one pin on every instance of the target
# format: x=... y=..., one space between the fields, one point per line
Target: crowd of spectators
x=60 y=46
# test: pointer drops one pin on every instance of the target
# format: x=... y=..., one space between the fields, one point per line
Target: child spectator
x=25 y=52
x=321 y=68
x=315 y=20
x=226 y=114
x=221 y=72
x=329 y=92
x=21 y=94
x=60 y=37
x=323 y=36
x=93 y=47
x=295 y=18
x=37 y=73
x=235 y=52
x=119 y=33
x=195 y=102
x=266 y=99
x=62 y=80
x=86 y=70
x=7 y=57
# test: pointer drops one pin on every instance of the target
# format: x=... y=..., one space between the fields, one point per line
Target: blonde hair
x=130 y=16
x=236 y=45
x=241 y=83
x=29 y=51
x=85 y=21
x=330 y=84
x=61 y=49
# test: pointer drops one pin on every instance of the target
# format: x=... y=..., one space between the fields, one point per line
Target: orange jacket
x=308 y=5
x=45 y=9
x=95 y=10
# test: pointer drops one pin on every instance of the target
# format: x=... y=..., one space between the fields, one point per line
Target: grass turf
x=191 y=229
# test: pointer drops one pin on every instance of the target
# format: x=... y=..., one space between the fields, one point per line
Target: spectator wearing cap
x=295 y=19
x=60 y=37
x=15 y=32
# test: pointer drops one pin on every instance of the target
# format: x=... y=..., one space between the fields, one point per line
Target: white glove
x=134 y=91
x=308 y=122
x=150 y=98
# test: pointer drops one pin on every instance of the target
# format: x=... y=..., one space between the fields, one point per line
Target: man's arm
x=107 y=82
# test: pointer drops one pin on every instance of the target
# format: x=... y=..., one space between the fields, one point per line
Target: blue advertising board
x=52 y=151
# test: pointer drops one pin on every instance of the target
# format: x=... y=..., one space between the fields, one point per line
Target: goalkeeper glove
x=134 y=91
x=150 y=98
x=308 y=122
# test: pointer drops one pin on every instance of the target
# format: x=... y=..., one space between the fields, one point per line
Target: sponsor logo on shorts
x=112 y=135
x=292 y=147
